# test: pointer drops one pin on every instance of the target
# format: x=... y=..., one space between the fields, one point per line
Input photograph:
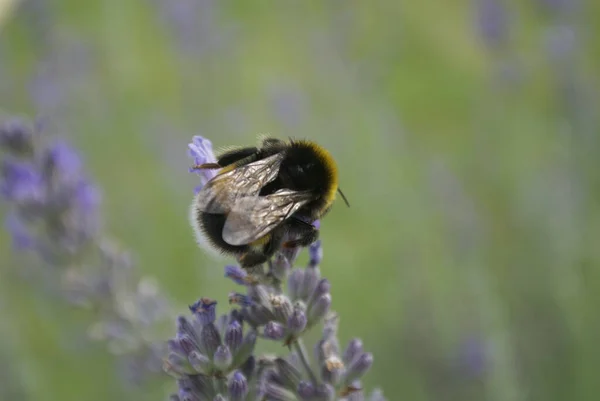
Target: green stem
x=301 y=351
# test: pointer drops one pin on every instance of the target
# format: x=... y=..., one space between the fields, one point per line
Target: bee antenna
x=344 y=197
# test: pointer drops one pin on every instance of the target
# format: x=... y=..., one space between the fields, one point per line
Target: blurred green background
x=466 y=134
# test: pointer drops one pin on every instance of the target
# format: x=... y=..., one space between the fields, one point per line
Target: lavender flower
x=492 y=22
x=201 y=351
x=53 y=204
x=200 y=150
x=54 y=213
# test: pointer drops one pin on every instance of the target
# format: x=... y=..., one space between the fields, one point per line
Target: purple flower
x=237 y=274
x=53 y=211
x=21 y=236
x=22 y=182
x=201 y=151
x=205 y=310
x=492 y=22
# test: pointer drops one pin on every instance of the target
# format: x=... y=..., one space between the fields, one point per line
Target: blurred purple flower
x=54 y=212
x=473 y=358
x=195 y=24
x=22 y=182
x=289 y=105
x=558 y=6
x=492 y=22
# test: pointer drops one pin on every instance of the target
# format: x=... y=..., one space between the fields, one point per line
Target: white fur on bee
x=201 y=238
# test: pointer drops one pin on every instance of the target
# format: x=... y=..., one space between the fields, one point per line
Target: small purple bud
x=297 y=321
x=222 y=322
x=312 y=275
x=316 y=224
x=185 y=328
x=274 y=331
x=246 y=349
x=238 y=387
x=282 y=307
x=222 y=358
x=315 y=252
x=294 y=283
x=275 y=392
x=187 y=344
x=289 y=374
x=234 y=336
x=354 y=348
x=257 y=315
x=237 y=298
x=200 y=385
x=237 y=274
x=210 y=339
x=259 y=294
x=280 y=266
x=200 y=363
x=205 y=310
x=174 y=346
x=306 y=391
x=357 y=368
x=324 y=392
x=176 y=363
x=319 y=309
x=323 y=287
x=187 y=395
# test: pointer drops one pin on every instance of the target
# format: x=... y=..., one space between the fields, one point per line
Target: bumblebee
x=265 y=197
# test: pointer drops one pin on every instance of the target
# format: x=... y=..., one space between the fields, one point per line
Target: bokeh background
x=466 y=134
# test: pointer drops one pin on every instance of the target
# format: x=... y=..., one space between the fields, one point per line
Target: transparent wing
x=255 y=216
x=221 y=193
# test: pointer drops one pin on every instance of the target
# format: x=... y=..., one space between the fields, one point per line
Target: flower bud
x=237 y=387
x=234 y=336
x=222 y=358
x=297 y=321
x=358 y=367
x=274 y=331
x=200 y=363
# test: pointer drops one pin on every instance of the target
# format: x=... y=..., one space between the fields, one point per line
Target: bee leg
x=251 y=259
x=306 y=233
x=235 y=155
x=207 y=166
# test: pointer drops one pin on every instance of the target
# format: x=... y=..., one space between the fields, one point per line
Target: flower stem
x=301 y=351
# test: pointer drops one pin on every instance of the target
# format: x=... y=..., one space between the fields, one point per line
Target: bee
x=265 y=197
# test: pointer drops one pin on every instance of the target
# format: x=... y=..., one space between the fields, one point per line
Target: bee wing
x=254 y=216
x=220 y=194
